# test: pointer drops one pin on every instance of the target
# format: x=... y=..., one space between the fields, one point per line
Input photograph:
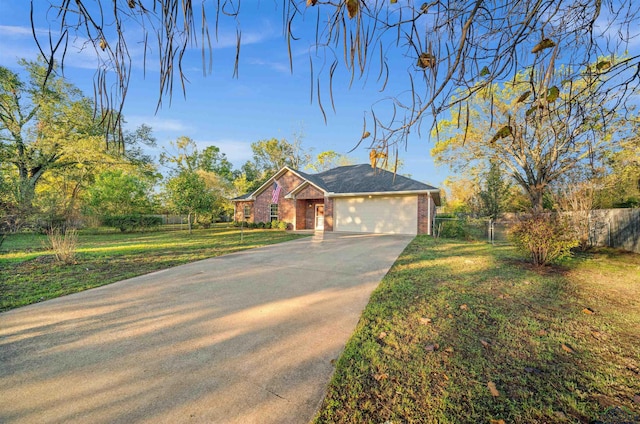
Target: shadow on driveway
x=247 y=337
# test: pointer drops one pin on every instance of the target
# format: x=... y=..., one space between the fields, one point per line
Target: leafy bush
x=452 y=229
x=267 y=225
x=544 y=238
x=279 y=225
x=63 y=244
x=131 y=222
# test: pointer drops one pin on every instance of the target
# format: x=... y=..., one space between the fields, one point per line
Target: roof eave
x=383 y=193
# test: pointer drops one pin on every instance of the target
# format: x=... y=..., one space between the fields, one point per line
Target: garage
x=377 y=214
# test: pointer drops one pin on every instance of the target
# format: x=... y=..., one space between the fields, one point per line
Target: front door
x=319 y=217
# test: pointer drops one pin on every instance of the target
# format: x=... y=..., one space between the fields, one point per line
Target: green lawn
x=29 y=273
x=469 y=333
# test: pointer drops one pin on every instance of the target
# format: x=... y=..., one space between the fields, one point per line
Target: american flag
x=276 y=193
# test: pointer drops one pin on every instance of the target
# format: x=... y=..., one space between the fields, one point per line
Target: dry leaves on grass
x=381 y=376
x=567 y=348
x=497 y=422
x=588 y=311
x=485 y=343
x=493 y=389
x=425 y=321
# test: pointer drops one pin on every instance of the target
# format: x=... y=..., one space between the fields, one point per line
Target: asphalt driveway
x=243 y=338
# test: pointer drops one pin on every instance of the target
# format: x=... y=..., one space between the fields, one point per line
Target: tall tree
x=495 y=192
x=205 y=178
x=329 y=159
x=45 y=124
x=273 y=154
x=538 y=127
x=443 y=45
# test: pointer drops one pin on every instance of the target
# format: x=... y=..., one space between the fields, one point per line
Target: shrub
x=544 y=238
x=452 y=229
x=63 y=244
x=282 y=225
x=131 y=222
x=267 y=224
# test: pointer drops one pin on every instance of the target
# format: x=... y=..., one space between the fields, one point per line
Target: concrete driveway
x=243 y=338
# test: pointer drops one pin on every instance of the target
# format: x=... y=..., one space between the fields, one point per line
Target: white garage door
x=389 y=215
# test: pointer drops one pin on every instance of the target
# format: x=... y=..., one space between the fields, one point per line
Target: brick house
x=356 y=198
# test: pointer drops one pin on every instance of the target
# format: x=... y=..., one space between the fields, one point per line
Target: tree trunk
x=536 y=195
x=189 y=222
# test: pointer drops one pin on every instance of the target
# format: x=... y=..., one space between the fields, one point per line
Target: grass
x=29 y=272
x=453 y=322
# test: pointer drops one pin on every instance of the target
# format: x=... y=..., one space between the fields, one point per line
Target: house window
x=274 y=212
x=247 y=212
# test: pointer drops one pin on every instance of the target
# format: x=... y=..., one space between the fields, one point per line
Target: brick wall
x=286 y=207
x=310 y=192
x=301 y=211
x=328 y=214
x=424 y=203
x=239 y=216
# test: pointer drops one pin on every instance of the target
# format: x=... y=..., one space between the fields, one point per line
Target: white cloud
x=158 y=124
x=20 y=31
x=276 y=66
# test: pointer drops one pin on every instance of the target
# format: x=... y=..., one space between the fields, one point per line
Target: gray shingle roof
x=359 y=179
x=365 y=179
x=243 y=197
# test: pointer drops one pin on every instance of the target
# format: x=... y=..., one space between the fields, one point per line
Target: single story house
x=356 y=198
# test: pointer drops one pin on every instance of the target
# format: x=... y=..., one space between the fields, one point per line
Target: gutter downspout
x=429 y=214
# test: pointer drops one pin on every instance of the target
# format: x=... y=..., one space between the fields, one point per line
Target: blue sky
x=265 y=101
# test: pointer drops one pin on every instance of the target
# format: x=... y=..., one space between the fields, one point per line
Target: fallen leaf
x=464 y=307
x=542 y=333
x=382 y=335
x=497 y=422
x=485 y=343
x=449 y=350
x=431 y=347
x=588 y=311
x=633 y=368
x=381 y=376
x=425 y=321
x=596 y=334
x=567 y=348
x=492 y=388
x=450 y=316
x=636 y=398
x=446 y=377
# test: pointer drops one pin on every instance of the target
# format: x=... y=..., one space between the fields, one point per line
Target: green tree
x=273 y=154
x=118 y=193
x=493 y=197
x=187 y=193
x=46 y=125
x=212 y=160
x=538 y=128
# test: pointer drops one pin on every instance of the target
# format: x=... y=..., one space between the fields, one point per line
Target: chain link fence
x=617 y=228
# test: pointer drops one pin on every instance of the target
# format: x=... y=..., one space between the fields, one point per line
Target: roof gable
x=352 y=179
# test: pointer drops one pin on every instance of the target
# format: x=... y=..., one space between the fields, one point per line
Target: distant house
x=355 y=198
